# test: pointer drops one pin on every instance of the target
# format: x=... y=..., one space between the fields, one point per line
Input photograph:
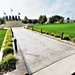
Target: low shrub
x=8 y=44
x=7 y=50
x=52 y=34
x=8 y=63
x=57 y=35
x=73 y=40
x=47 y=32
x=66 y=37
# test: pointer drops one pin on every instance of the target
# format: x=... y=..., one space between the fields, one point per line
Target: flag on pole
x=4 y=13
x=19 y=13
x=11 y=10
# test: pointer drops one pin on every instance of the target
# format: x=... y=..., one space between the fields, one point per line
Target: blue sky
x=35 y=8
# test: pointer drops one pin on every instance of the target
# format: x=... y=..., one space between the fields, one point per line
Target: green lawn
x=2 y=35
x=68 y=28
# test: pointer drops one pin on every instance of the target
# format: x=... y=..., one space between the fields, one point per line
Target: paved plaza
x=39 y=51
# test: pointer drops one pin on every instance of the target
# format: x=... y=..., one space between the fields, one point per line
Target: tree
x=2 y=20
x=29 y=21
x=56 y=18
x=24 y=21
x=51 y=20
x=34 y=21
x=42 y=19
x=68 y=20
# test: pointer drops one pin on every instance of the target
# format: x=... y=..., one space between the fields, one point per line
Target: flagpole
x=11 y=12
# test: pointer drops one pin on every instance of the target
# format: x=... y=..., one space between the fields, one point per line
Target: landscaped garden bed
x=8 y=62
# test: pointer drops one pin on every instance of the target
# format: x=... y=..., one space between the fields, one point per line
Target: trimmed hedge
x=8 y=63
x=57 y=35
x=52 y=34
x=66 y=37
x=73 y=40
x=8 y=50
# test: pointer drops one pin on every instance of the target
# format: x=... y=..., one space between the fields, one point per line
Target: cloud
x=35 y=8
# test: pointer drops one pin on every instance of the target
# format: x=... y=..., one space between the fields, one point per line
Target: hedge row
x=65 y=37
x=9 y=61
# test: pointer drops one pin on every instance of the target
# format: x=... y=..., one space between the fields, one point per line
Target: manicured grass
x=67 y=28
x=2 y=35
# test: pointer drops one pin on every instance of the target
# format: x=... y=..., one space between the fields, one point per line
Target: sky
x=34 y=8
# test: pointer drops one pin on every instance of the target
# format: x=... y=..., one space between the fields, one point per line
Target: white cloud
x=34 y=8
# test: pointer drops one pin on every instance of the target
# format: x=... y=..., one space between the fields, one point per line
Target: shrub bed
x=57 y=35
x=8 y=50
x=9 y=60
x=8 y=63
x=73 y=40
x=52 y=34
x=66 y=37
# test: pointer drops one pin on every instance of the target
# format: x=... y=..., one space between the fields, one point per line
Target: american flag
x=4 y=13
x=19 y=13
x=11 y=10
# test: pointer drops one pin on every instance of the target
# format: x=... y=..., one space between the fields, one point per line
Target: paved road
x=40 y=51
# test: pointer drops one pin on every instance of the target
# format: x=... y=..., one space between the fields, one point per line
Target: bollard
x=12 y=34
x=15 y=45
x=73 y=73
x=62 y=35
x=41 y=30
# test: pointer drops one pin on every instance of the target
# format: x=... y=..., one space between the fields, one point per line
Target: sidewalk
x=63 y=67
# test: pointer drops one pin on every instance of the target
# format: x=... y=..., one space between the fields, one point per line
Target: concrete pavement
x=63 y=67
x=39 y=51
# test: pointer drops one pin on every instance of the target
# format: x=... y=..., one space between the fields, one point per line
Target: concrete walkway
x=41 y=52
x=62 y=67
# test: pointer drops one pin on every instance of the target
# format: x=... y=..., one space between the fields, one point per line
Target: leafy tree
x=29 y=21
x=68 y=19
x=42 y=19
x=24 y=21
x=51 y=20
x=34 y=21
x=56 y=18
x=61 y=21
x=2 y=20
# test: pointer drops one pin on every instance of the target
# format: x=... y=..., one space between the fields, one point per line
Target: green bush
x=66 y=37
x=47 y=32
x=73 y=40
x=8 y=63
x=7 y=50
x=8 y=44
x=57 y=35
x=52 y=34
